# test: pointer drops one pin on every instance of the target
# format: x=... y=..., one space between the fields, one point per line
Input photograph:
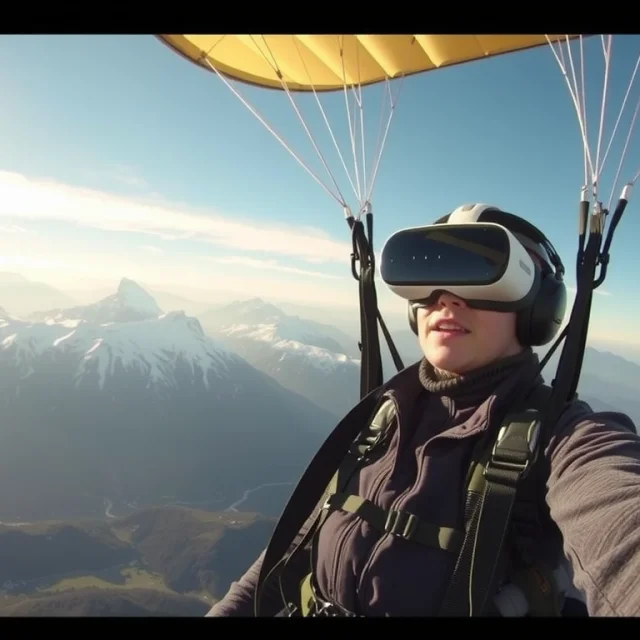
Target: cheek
x=421 y=320
x=497 y=328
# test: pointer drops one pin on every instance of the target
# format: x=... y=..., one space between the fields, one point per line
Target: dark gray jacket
x=593 y=493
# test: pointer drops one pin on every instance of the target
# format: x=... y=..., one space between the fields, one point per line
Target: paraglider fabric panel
x=329 y=62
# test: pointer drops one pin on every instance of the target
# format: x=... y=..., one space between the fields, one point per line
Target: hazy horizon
x=345 y=318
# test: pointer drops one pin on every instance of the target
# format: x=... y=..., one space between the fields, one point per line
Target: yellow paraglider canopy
x=329 y=62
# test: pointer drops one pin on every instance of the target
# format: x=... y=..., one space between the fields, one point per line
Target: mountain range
x=608 y=382
x=118 y=415
x=322 y=363
x=117 y=401
x=120 y=403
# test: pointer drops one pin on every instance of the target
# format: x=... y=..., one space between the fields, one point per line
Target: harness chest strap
x=401 y=524
x=398 y=523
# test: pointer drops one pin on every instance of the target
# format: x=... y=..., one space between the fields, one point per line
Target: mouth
x=449 y=326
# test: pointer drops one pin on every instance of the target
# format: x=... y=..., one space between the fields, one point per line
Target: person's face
x=479 y=337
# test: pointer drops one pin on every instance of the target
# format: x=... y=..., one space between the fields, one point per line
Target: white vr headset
x=481 y=261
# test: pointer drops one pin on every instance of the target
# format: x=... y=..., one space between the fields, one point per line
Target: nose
x=448 y=300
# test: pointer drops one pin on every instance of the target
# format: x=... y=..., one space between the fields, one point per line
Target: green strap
x=399 y=523
x=307 y=596
x=367 y=440
x=476 y=576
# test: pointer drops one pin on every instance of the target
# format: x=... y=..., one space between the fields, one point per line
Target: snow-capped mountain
x=119 y=400
x=150 y=348
x=125 y=332
x=131 y=302
x=274 y=325
x=312 y=359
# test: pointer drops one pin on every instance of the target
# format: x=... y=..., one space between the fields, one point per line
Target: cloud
x=129 y=176
x=272 y=265
x=249 y=270
x=13 y=228
x=120 y=174
x=25 y=198
x=150 y=248
x=30 y=262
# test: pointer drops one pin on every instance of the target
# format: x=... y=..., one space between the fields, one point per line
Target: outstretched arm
x=594 y=498
x=239 y=600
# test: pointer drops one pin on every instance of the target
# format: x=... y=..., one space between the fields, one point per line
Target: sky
x=118 y=158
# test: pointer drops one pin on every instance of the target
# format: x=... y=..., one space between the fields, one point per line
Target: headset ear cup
x=538 y=324
x=523 y=326
x=413 y=321
x=553 y=315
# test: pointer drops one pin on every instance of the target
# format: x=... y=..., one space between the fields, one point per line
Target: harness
x=505 y=516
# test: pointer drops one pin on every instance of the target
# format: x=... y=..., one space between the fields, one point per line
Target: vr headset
x=471 y=255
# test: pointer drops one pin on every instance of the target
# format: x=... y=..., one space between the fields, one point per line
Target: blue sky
x=119 y=158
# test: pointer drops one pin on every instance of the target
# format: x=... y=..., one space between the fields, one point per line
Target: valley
x=163 y=561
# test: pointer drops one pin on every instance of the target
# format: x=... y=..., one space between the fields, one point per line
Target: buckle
x=515 y=449
x=401 y=524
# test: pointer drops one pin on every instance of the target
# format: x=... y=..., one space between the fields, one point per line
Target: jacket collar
x=483 y=401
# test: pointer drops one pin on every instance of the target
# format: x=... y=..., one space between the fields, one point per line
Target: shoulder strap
x=492 y=489
x=371 y=437
x=313 y=485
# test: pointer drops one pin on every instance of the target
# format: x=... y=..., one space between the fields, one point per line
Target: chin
x=447 y=359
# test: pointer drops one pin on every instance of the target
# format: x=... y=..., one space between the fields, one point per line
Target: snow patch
x=153 y=347
x=272 y=334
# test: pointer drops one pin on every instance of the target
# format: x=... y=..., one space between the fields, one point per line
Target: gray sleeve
x=594 y=498
x=239 y=600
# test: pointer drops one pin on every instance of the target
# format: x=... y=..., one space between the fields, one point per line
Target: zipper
x=405 y=494
x=420 y=467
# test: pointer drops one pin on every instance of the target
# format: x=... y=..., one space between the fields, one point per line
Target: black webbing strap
x=395 y=354
x=589 y=257
x=371 y=375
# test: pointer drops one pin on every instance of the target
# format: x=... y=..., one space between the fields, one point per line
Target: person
x=476 y=361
